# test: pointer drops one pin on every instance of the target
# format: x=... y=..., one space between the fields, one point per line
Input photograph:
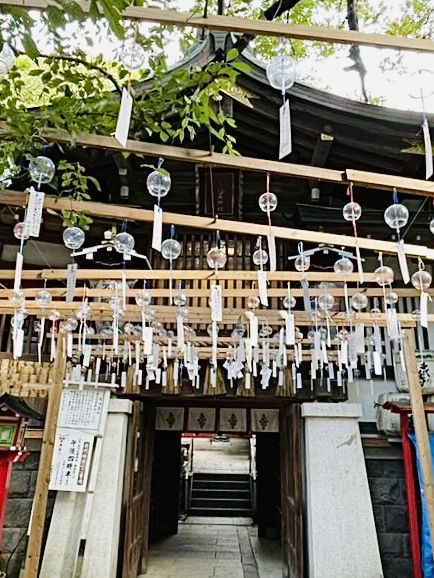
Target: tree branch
x=88 y=64
x=358 y=66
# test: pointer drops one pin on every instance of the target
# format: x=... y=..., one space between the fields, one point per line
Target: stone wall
x=22 y=489
x=387 y=487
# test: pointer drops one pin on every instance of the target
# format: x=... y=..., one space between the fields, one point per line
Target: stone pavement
x=214 y=550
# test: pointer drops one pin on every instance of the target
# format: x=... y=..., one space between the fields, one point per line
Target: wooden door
x=165 y=484
x=291 y=464
x=138 y=491
x=268 y=505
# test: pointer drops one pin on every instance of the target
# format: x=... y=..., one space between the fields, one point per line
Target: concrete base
x=342 y=539
x=102 y=535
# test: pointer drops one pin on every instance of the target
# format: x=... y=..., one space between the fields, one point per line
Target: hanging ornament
x=253 y=302
x=383 y=275
x=431 y=226
x=391 y=297
x=396 y=217
x=352 y=212
x=216 y=256
x=180 y=299
x=124 y=243
x=133 y=56
x=43 y=298
x=21 y=231
x=302 y=263
x=73 y=238
x=260 y=258
x=281 y=72
x=268 y=204
x=41 y=170
x=326 y=302
x=343 y=266
x=143 y=298
x=171 y=250
x=17 y=299
x=158 y=184
x=421 y=280
x=359 y=301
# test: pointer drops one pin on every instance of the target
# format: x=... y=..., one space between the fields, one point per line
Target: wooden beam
x=179 y=274
x=420 y=426
x=374 y=180
x=122 y=212
x=37 y=523
x=257 y=27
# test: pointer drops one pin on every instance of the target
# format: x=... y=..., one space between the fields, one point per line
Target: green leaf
x=232 y=55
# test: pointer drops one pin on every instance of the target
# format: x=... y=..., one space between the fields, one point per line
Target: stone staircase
x=216 y=494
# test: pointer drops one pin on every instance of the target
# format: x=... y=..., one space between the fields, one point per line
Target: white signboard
x=71 y=460
x=83 y=409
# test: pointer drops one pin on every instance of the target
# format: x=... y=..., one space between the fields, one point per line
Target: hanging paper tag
x=392 y=324
x=86 y=355
x=124 y=290
x=306 y=296
x=428 y=149
x=97 y=368
x=157 y=230
x=359 y=338
x=377 y=363
x=147 y=340
x=424 y=309
x=272 y=251
x=69 y=344
x=18 y=343
x=262 y=287
x=71 y=281
x=34 y=212
x=289 y=329
x=180 y=331
x=285 y=143
x=18 y=271
x=403 y=262
x=216 y=303
x=359 y=265
x=124 y=118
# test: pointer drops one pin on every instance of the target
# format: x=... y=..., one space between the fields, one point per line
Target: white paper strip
x=216 y=303
x=18 y=271
x=424 y=309
x=377 y=363
x=124 y=118
x=69 y=344
x=157 y=230
x=403 y=261
x=285 y=141
x=359 y=265
x=428 y=149
x=147 y=340
x=271 y=239
x=124 y=290
x=180 y=331
x=262 y=288
x=289 y=329
x=359 y=338
x=71 y=281
x=34 y=212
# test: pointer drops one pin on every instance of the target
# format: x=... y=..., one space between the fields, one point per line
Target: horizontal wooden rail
x=257 y=27
x=374 y=180
x=122 y=212
x=179 y=274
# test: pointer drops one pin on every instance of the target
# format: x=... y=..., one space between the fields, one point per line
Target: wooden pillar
x=420 y=426
x=37 y=523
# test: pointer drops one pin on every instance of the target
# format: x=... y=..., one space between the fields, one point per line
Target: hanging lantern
x=158 y=183
x=41 y=169
x=253 y=302
x=170 y=249
x=302 y=263
x=43 y=298
x=352 y=211
x=282 y=72
x=289 y=302
x=384 y=275
x=144 y=298
x=343 y=266
x=124 y=243
x=260 y=257
x=396 y=216
x=73 y=238
x=216 y=258
x=133 y=56
x=268 y=202
x=326 y=301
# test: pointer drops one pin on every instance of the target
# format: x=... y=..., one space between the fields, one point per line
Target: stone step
x=216 y=503
x=220 y=493
x=215 y=512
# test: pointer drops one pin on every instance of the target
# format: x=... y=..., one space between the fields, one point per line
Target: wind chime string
x=350 y=193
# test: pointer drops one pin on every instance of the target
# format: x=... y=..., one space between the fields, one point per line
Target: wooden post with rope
x=37 y=522
x=420 y=425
